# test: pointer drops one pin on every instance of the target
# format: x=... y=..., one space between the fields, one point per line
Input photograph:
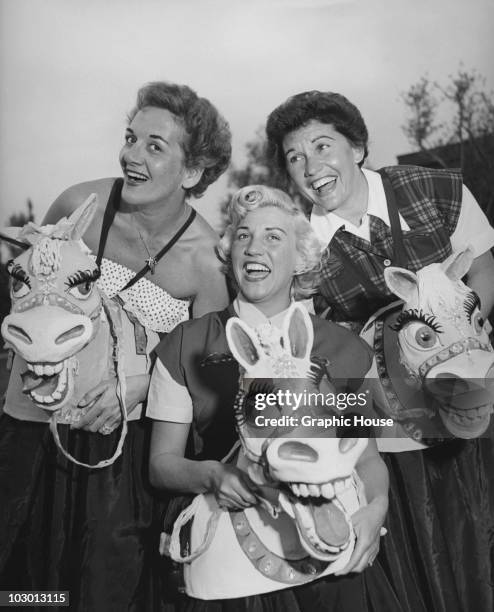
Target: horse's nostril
x=297 y=451
x=19 y=333
x=347 y=444
x=75 y=332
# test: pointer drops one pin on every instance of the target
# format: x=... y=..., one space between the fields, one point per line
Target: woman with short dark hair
x=441 y=498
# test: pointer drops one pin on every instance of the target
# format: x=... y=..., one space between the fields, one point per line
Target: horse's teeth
x=304 y=490
x=314 y=490
x=294 y=487
x=327 y=490
x=56 y=395
x=38 y=369
x=49 y=370
x=57 y=367
x=30 y=366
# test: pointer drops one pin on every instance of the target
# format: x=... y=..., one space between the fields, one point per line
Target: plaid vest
x=430 y=202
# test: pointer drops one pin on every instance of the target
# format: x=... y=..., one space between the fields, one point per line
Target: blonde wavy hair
x=307 y=275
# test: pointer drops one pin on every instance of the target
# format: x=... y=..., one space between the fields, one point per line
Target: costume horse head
x=60 y=324
x=434 y=364
x=308 y=489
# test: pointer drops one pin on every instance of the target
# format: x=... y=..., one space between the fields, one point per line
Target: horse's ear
x=10 y=234
x=243 y=343
x=82 y=217
x=402 y=283
x=457 y=265
x=298 y=332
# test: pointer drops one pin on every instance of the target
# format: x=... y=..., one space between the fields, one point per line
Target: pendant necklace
x=150 y=261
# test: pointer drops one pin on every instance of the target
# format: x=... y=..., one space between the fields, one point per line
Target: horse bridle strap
x=462 y=346
x=271 y=565
x=120 y=391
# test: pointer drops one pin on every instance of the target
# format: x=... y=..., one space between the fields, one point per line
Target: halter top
x=154 y=307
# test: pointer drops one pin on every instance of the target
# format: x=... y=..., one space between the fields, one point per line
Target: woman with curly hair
x=91 y=532
x=274 y=257
x=441 y=498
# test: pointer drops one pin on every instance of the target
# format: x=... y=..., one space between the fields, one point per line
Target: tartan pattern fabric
x=430 y=202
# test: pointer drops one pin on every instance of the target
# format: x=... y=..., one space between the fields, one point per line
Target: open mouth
x=323 y=524
x=47 y=384
x=324 y=184
x=135 y=177
x=256 y=271
x=469 y=423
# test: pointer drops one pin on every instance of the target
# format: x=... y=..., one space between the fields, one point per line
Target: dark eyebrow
x=154 y=136
x=322 y=136
x=313 y=140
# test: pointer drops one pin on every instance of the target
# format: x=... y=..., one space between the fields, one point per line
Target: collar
x=250 y=314
x=325 y=225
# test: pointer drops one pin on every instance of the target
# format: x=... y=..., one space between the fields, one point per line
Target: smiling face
x=153 y=160
x=264 y=258
x=323 y=164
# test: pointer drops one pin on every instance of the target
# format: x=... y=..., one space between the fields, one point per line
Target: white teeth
x=323 y=181
x=251 y=267
x=295 y=488
x=327 y=490
x=137 y=176
x=314 y=490
x=45 y=369
x=304 y=490
x=62 y=381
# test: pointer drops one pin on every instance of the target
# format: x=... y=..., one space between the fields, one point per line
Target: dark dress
x=93 y=533
x=439 y=551
x=212 y=389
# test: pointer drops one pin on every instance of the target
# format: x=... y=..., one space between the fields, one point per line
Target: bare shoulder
x=205 y=241
x=74 y=196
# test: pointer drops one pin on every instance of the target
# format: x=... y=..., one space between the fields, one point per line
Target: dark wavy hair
x=208 y=138
x=326 y=107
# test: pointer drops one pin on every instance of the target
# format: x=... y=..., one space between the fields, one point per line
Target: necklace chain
x=151 y=260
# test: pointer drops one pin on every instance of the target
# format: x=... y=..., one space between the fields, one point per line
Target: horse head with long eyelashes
x=434 y=365
x=308 y=488
x=63 y=328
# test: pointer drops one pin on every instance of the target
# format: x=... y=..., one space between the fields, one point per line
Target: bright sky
x=69 y=72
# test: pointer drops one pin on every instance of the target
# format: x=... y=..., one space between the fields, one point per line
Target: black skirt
x=93 y=533
x=439 y=550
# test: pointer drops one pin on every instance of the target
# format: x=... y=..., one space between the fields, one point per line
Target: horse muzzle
x=47 y=335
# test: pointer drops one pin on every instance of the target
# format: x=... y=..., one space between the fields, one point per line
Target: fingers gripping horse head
x=56 y=306
x=444 y=343
x=281 y=394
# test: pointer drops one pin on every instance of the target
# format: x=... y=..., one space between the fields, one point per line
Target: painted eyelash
x=83 y=276
x=472 y=301
x=416 y=315
x=17 y=272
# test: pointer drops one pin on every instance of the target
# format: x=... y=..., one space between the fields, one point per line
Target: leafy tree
x=452 y=124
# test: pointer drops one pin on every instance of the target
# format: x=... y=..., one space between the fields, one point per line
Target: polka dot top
x=153 y=306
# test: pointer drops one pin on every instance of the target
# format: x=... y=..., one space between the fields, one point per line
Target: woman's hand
x=232 y=488
x=104 y=413
x=367 y=523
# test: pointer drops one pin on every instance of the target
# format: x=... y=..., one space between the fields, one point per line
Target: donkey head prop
x=308 y=489
x=443 y=349
x=57 y=317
